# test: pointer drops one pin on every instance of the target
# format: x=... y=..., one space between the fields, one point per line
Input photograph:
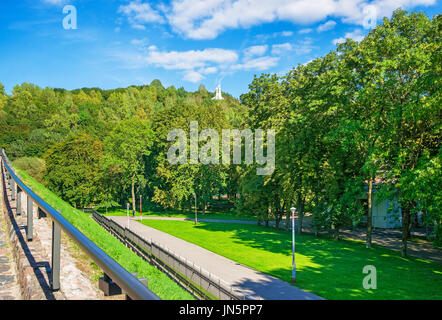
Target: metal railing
x=125 y=280
x=195 y=279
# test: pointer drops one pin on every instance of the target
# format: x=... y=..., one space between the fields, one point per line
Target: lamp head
x=293 y=210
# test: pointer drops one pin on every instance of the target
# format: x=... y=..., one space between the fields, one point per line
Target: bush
x=34 y=166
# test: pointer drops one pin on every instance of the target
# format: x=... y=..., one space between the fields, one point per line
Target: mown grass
x=328 y=268
x=150 y=211
x=159 y=283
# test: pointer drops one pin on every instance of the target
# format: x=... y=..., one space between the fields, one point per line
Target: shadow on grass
x=333 y=269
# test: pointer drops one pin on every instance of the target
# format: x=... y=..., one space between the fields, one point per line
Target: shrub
x=34 y=166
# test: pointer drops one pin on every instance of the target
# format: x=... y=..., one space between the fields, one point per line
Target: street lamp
x=293 y=210
x=196 y=214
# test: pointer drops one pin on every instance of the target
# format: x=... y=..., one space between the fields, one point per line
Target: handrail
x=127 y=236
x=125 y=280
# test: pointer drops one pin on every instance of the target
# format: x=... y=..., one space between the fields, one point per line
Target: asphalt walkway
x=9 y=287
x=243 y=279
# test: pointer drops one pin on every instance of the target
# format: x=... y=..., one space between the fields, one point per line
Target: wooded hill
x=364 y=117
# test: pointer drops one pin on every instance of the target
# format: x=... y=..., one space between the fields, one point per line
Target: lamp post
x=141 y=207
x=293 y=210
x=196 y=214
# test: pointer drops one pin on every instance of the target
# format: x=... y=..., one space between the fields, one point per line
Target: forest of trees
x=361 y=124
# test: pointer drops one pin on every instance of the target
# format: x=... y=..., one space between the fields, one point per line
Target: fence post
x=12 y=189
x=29 y=229
x=55 y=261
x=144 y=281
x=18 y=203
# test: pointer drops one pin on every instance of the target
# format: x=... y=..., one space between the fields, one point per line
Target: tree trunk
x=267 y=223
x=335 y=232
x=204 y=207
x=369 y=213
x=405 y=231
x=300 y=214
x=287 y=220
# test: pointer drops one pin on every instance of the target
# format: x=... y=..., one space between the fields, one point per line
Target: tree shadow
x=334 y=269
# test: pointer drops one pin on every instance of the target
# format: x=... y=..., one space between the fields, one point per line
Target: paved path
x=391 y=239
x=243 y=279
x=9 y=287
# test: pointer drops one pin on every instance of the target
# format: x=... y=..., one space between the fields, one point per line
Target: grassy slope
x=331 y=269
x=159 y=283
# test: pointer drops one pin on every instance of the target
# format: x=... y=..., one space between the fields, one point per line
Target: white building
x=218 y=95
x=387 y=214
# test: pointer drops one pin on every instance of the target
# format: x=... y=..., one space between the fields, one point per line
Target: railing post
x=18 y=203
x=12 y=190
x=30 y=222
x=55 y=261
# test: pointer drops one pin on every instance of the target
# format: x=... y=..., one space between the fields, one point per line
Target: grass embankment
x=331 y=269
x=159 y=283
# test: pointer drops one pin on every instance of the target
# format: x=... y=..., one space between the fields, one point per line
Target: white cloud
x=302 y=47
x=139 y=13
x=208 y=70
x=258 y=64
x=305 y=31
x=267 y=36
x=255 y=51
x=139 y=42
x=278 y=49
x=355 y=35
x=326 y=26
x=186 y=60
x=193 y=76
x=206 y=19
x=54 y=2
x=138 y=26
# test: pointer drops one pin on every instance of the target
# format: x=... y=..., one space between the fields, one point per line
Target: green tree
x=126 y=148
x=73 y=169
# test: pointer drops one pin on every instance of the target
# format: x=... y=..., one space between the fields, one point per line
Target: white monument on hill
x=218 y=95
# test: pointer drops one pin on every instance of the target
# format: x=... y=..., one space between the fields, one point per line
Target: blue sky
x=181 y=42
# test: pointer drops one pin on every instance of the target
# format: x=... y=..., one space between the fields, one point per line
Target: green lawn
x=331 y=269
x=159 y=283
x=153 y=212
